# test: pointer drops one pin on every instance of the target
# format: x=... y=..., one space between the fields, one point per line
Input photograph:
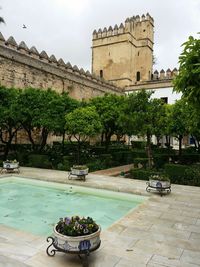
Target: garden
x=97 y=132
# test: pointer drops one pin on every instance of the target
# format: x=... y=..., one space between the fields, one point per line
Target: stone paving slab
x=161 y=232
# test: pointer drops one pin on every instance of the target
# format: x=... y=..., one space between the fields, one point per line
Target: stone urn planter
x=79 y=171
x=159 y=183
x=77 y=243
x=75 y=235
x=10 y=166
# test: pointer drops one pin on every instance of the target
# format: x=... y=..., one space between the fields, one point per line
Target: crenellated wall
x=22 y=67
x=132 y=25
x=162 y=79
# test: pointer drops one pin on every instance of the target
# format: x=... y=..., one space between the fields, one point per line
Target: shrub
x=142 y=174
x=106 y=160
x=189 y=158
x=183 y=174
x=95 y=165
x=138 y=153
x=138 y=144
x=39 y=161
x=160 y=160
x=142 y=161
x=122 y=157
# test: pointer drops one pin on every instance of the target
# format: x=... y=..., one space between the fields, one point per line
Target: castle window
x=101 y=73
x=138 y=76
x=138 y=54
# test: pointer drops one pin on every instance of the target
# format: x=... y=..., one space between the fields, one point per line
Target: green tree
x=9 y=117
x=144 y=116
x=44 y=111
x=178 y=121
x=159 y=118
x=109 y=107
x=83 y=123
x=188 y=79
x=193 y=124
x=68 y=104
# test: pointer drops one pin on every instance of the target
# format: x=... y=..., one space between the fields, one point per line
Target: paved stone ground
x=161 y=232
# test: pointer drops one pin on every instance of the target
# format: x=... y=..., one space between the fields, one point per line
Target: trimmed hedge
x=39 y=161
x=122 y=157
x=183 y=174
x=139 y=153
x=138 y=144
x=142 y=174
x=160 y=160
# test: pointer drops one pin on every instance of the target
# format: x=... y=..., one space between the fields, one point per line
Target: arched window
x=101 y=73
x=138 y=76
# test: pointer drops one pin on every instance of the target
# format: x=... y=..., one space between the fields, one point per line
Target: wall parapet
x=123 y=27
x=31 y=57
x=163 y=75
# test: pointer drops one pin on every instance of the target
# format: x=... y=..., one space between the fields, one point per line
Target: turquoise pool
x=35 y=206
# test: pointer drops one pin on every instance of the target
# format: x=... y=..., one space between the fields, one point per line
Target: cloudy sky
x=64 y=27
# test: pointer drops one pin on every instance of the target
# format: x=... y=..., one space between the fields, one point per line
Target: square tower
x=124 y=54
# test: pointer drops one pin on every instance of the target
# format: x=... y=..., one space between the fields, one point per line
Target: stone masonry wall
x=21 y=67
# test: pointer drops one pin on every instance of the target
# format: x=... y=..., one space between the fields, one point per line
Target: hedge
x=39 y=161
x=142 y=174
x=183 y=174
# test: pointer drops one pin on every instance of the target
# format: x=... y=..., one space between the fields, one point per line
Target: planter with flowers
x=76 y=235
x=159 y=183
x=10 y=165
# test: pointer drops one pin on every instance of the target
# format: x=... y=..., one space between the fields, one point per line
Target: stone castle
x=122 y=60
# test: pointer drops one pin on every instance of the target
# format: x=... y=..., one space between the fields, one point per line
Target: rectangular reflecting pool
x=35 y=206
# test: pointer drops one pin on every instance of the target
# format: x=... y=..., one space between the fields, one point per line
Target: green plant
x=159 y=177
x=142 y=174
x=183 y=174
x=39 y=161
x=142 y=161
x=160 y=160
x=76 y=226
x=80 y=167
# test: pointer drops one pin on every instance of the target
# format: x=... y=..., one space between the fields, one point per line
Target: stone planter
x=77 y=243
x=79 y=172
x=10 y=165
x=159 y=184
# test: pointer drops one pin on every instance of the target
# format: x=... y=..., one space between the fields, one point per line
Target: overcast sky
x=64 y=27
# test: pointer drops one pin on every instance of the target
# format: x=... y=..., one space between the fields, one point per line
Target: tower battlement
x=123 y=54
x=129 y=25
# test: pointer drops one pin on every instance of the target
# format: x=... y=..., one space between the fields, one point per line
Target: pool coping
x=162 y=231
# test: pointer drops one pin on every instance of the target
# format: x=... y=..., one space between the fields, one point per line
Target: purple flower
x=67 y=220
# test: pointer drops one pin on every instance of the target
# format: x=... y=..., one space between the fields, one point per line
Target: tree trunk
x=102 y=138
x=44 y=135
x=195 y=142
x=78 y=152
x=180 y=138
x=149 y=152
x=63 y=141
x=29 y=132
x=158 y=140
x=108 y=137
x=167 y=141
x=8 y=143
